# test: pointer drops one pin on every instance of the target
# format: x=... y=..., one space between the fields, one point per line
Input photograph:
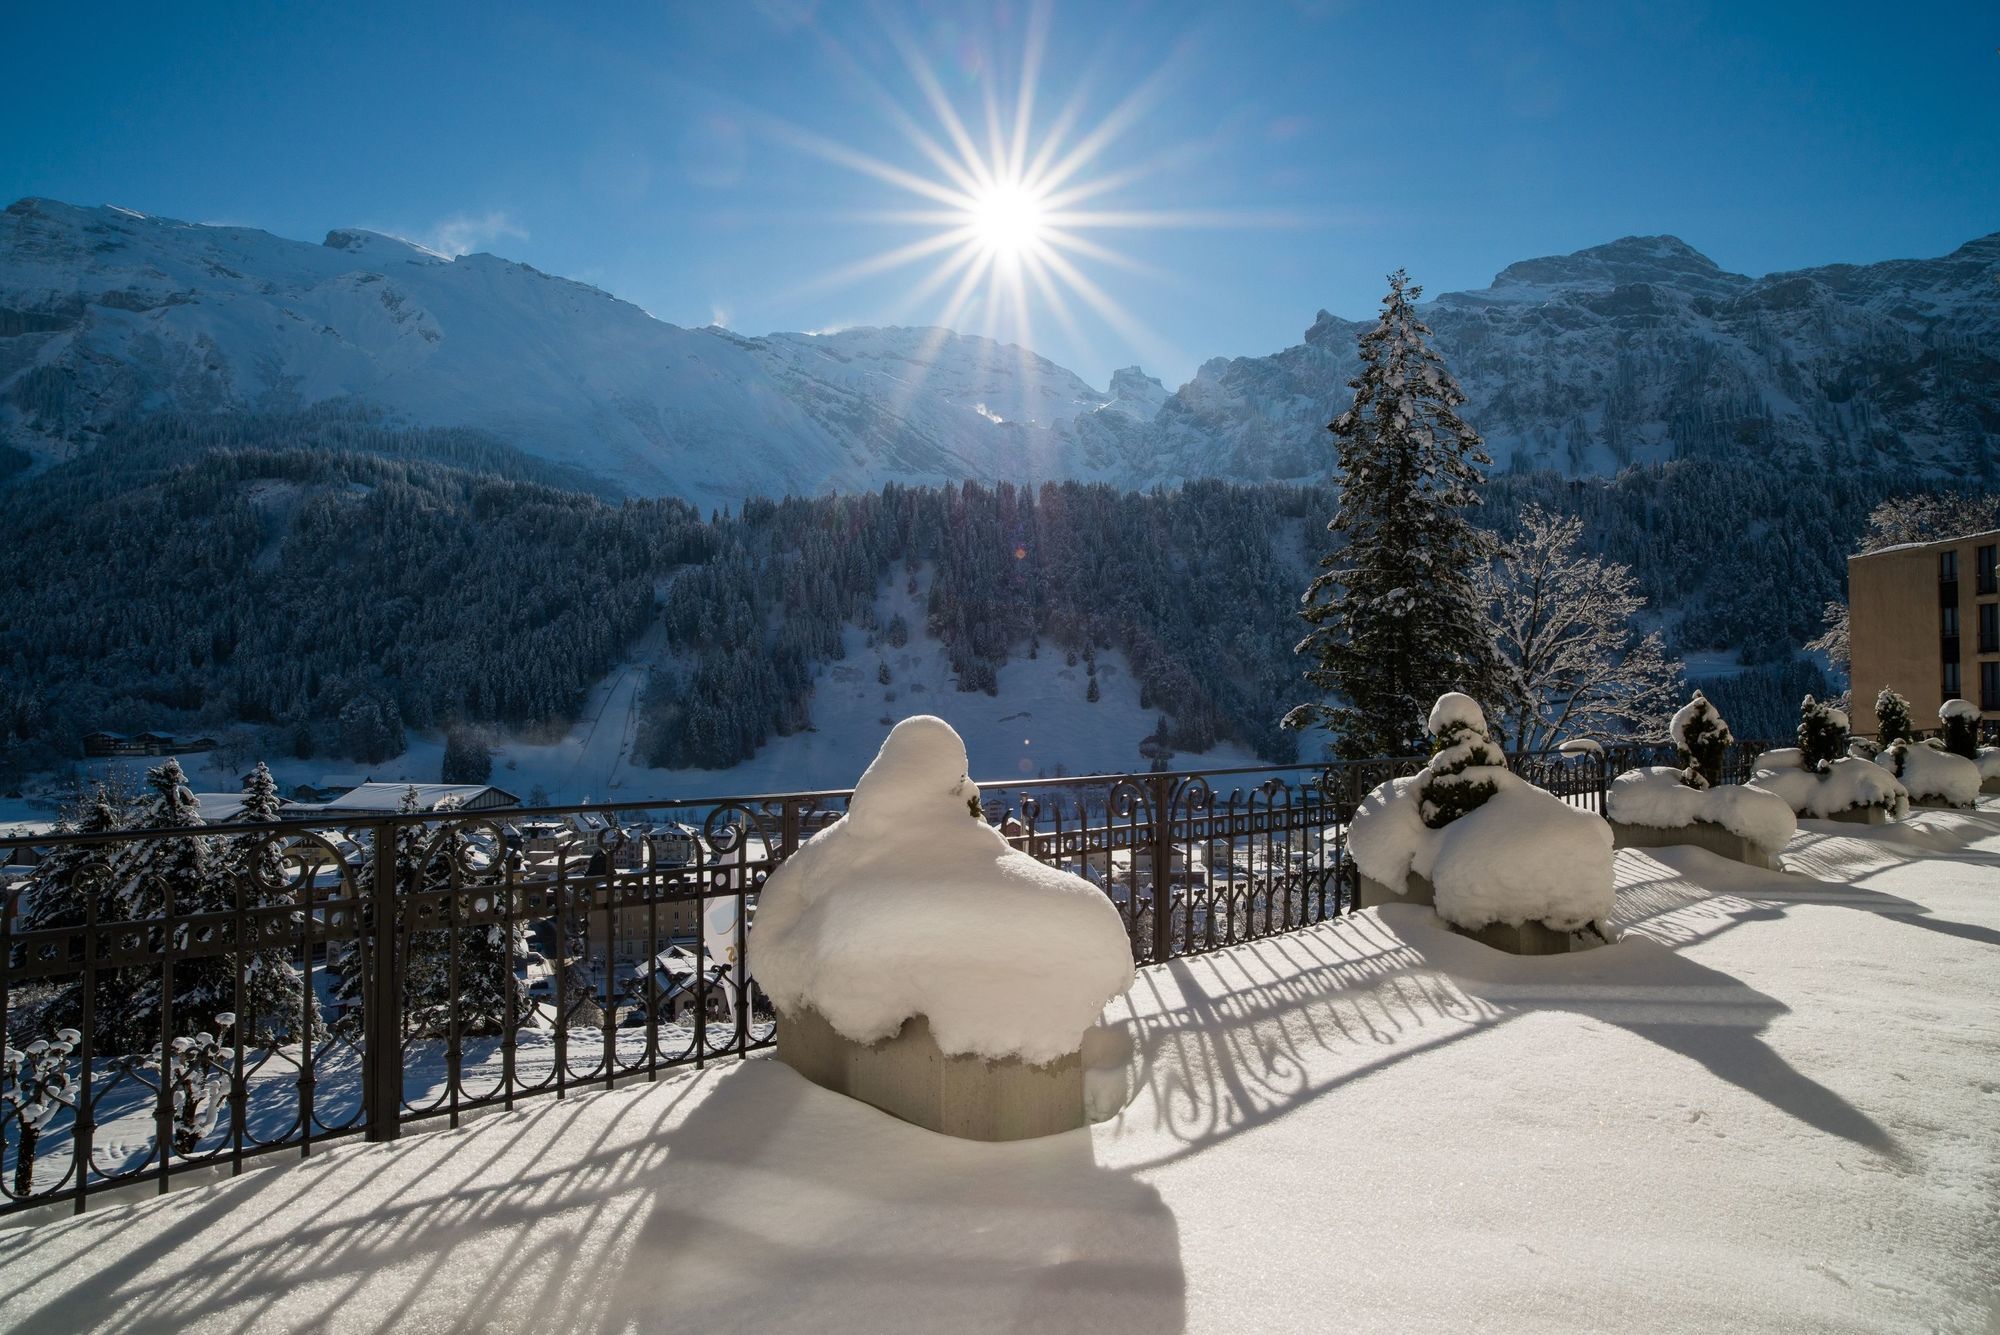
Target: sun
x=1008 y=221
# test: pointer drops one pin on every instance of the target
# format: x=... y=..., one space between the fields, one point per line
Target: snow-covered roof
x=387 y=798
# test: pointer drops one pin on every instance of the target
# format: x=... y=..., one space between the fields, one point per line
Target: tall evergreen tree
x=1397 y=617
x=275 y=1002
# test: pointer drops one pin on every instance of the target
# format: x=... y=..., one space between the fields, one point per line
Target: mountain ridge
x=1637 y=350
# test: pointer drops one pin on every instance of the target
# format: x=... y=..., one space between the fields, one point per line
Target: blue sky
x=698 y=159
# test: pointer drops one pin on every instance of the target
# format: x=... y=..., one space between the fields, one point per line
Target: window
x=1948 y=567
x=1948 y=620
x=1951 y=680
x=1989 y=685
x=1989 y=628
x=1988 y=564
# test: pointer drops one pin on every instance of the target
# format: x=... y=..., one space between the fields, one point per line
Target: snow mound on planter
x=1523 y=855
x=1989 y=762
x=913 y=905
x=1848 y=784
x=1931 y=775
x=1655 y=797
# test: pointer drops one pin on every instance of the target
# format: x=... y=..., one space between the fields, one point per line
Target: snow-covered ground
x=1774 y=1106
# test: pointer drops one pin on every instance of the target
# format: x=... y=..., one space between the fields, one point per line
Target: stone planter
x=1530 y=938
x=1991 y=785
x=1697 y=834
x=1373 y=893
x=909 y=1077
x=1873 y=815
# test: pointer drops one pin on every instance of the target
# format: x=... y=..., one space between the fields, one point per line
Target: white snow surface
x=1850 y=783
x=1956 y=708
x=1455 y=707
x=1446 y=1121
x=1989 y=762
x=1523 y=855
x=913 y=905
x=1655 y=797
x=1932 y=775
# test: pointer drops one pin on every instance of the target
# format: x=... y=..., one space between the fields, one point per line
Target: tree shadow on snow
x=735 y=1199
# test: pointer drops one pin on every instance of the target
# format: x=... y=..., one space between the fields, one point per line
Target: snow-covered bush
x=1660 y=798
x=38 y=1083
x=913 y=905
x=1961 y=727
x=1930 y=773
x=1702 y=737
x=1892 y=718
x=1460 y=775
x=1822 y=735
x=1845 y=785
x=1520 y=855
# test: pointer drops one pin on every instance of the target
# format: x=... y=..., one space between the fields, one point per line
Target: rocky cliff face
x=1644 y=350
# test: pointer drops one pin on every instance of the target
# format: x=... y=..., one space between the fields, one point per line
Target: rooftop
x=1774 y=1105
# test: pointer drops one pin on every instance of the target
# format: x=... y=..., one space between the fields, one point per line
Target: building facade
x=1924 y=620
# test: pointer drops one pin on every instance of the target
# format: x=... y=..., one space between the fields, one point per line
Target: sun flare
x=1007 y=218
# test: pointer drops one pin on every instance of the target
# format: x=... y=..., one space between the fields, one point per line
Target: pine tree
x=1959 y=733
x=275 y=1001
x=466 y=759
x=1822 y=735
x=1396 y=617
x=1460 y=776
x=1892 y=718
x=1702 y=737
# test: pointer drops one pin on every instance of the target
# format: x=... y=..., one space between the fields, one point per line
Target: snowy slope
x=105 y=313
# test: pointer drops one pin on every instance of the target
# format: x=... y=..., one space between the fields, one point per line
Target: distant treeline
x=325 y=582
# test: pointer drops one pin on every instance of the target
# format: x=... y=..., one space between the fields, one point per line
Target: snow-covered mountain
x=105 y=313
x=1644 y=350
x=1635 y=351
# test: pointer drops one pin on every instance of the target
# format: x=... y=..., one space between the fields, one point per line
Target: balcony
x=1357 y=1114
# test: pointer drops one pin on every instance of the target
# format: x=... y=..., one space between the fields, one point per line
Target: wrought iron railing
x=175 y=1000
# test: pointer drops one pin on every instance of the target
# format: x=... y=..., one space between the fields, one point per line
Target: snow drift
x=1655 y=797
x=1522 y=855
x=1850 y=783
x=912 y=905
x=1930 y=774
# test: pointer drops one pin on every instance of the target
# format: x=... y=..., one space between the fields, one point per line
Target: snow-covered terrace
x=1775 y=1105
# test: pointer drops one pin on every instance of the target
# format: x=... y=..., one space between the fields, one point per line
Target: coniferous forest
x=320 y=584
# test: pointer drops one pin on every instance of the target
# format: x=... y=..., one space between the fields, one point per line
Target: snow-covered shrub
x=1822 y=735
x=913 y=905
x=1845 y=785
x=1702 y=737
x=1988 y=761
x=1932 y=774
x=1892 y=718
x=1519 y=855
x=1460 y=775
x=1660 y=798
x=1961 y=727
x=38 y=1083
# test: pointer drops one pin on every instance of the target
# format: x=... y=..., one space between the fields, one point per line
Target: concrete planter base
x=1862 y=816
x=1530 y=938
x=1417 y=890
x=909 y=1077
x=1700 y=834
x=1937 y=806
x=1991 y=785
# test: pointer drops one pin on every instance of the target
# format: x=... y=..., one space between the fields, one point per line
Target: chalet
x=680 y=982
x=386 y=799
